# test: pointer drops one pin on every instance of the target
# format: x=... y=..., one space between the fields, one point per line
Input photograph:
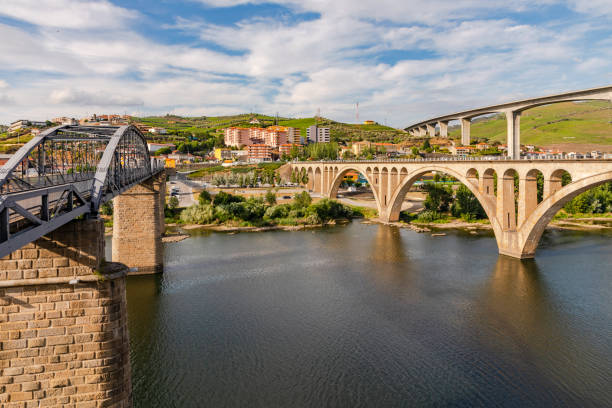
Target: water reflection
x=387 y=245
x=529 y=326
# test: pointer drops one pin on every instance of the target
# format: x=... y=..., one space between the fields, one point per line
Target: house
x=483 y=146
x=462 y=150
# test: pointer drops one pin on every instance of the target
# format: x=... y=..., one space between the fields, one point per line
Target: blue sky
x=402 y=60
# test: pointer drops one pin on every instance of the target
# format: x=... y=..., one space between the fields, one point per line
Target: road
x=185 y=195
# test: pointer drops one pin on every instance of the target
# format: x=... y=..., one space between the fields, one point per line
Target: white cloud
x=99 y=98
x=84 y=57
x=67 y=14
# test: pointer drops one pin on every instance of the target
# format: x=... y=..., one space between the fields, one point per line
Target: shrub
x=199 y=214
x=429 y=216
x=204 y=197
x=107 y=208
x=223 y=198
x=329 y=209
x=270 y=197
x=279 y=211
x=302 y=200
x=173 y=202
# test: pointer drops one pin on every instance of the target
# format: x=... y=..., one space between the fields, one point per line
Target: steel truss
x=66 y=172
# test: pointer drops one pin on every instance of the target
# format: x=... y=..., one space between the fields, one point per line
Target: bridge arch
x=534 y=225
x=65 y=172
x=367 y=174
x=398 y=197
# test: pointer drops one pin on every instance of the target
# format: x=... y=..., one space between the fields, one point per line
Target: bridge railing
x=455 y=159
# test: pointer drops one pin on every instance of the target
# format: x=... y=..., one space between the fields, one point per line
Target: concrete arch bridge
x=517 y=230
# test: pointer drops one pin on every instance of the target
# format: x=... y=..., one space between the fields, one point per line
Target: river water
x=373 y=316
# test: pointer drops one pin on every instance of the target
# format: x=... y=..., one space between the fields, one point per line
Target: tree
x=302 y=200
x=415 y=150
x=466 y=205
x=204 y=197
x=223 y=198
x=426 y=144
x=270 y=197
x=438 y=197
x=173 y=202
x=107 y=208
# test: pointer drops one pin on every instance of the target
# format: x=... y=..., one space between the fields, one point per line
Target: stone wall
x=63 y=323
x=138 y=224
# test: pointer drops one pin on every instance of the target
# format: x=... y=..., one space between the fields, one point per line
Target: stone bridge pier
x=138 y=225
x=63 y=322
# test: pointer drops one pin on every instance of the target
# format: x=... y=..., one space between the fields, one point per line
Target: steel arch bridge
x=66 y=172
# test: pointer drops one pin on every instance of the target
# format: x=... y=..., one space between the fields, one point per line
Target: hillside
x=570 y=123
x=340 y=132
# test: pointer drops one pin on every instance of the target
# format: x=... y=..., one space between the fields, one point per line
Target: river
x=373 y=316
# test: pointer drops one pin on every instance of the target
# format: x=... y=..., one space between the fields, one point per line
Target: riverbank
x=580 y=224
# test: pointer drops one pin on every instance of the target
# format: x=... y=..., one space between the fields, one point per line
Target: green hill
x=205 y=125
x=563 y=123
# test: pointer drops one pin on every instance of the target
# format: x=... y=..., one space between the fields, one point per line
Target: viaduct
x=512 y=111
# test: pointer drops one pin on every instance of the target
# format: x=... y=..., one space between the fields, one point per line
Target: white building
x=158 y=130
x=317 y=134
x=153 y=147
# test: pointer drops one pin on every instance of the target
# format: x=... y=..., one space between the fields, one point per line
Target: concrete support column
x=422 y=131
x=317 y=180
x=528 y=197
x=431 y=130
x=465 y=131
x=443 y=129
x=551 y=186
x=384 y=188
x=310 y=183
x=376 y=181
x=138 y=226
x=326 y=182
x=487 y=184
x=506 y=210
x=63 y=322
x=513 y=120
x=393 y=183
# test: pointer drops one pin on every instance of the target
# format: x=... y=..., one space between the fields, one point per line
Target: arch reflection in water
x=529 y=326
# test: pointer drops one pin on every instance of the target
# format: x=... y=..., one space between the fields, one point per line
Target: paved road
x=409 y=206
x=185 y=194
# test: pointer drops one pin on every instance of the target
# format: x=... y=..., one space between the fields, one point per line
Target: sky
x=402 y=60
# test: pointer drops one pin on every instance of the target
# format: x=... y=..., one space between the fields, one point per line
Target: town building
x=223 y=154
x=153 y=147
x=24 y=123
x=483 y=146
x=158 y=130
x=286 y=148
x=63 y=120
x=260 y=153
x=317 y=134
x=369 y=122
x=273 y=136
x=462 y=150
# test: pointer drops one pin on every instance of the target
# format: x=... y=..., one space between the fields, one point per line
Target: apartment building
x=273 y=136
x=260 y=152
x=317 y=134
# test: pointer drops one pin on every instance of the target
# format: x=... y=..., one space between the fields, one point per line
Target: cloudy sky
x=403 y=60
